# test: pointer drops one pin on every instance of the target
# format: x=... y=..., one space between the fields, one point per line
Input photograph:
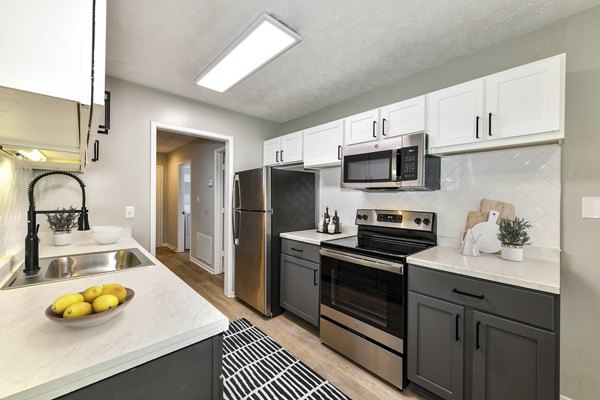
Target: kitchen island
x=40 y=359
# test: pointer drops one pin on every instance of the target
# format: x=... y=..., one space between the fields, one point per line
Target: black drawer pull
x=457 y=336
x=315 y=277
x=298 y=250
x=477 y=127
x=490 y=124
x=383 y=127
x=477 y=346
x=477 y=296
x=374 y=127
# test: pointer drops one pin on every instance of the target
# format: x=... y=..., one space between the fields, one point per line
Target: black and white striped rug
x=256 y=367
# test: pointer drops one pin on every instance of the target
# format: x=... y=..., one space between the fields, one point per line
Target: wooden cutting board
x=506 y=210
x=474 y=218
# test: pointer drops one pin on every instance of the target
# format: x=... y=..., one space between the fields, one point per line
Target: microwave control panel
x=409 y=161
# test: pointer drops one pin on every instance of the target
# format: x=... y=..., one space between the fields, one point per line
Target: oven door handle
x=384 y=265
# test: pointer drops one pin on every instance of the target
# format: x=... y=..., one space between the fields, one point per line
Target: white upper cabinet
x=403 y=118
x=454 y=114
x=291 y=148
x=517 y=107
x=396 y=119
x=524 y=100
x=285 y=149
x=361 y=127
x=323 y=144
x=271 y=151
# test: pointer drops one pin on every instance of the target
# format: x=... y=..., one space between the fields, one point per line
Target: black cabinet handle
x=340 y=153
x=281 y=155
x=298 y=250
x=374 y=127
x=383 y=127
x=457 y=336
x=277 y=156
x=477 y=296
x=477 y=127
x=315 y=277
x=104 y=128
x=477 y=346
x=96 y=154
x=490 y=124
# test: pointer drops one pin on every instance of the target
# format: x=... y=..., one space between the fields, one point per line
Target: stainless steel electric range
x=363 y=300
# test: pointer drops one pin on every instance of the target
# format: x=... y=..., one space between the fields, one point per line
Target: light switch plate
x=129 y=212
x=590 y=207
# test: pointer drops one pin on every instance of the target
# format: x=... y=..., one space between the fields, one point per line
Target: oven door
x=372 y=169
x=364 y=294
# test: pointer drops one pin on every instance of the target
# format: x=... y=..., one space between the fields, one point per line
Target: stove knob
x=426 y=221
x=358 y=216
x=418 y=221
x=365 y=217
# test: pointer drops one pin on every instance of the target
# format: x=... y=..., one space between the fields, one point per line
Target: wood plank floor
x=356 y=382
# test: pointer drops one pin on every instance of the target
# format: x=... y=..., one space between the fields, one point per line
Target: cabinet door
x=524 y=100
x=323 y=144
x=435 y=345
x=454 y=114
x=361 y=127
x=271 y=151
x=402 y=118
x=291 y=148
x=300 y=288
x=512 y=360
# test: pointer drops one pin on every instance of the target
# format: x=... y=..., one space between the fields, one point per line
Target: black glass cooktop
x=395 y=250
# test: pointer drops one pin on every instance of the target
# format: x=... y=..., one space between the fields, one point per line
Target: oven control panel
x=415 y=220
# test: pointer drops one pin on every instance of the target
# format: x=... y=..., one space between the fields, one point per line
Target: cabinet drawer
x=520 y=304
x=301 y=250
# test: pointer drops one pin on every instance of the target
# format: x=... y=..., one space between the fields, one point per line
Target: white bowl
x=106 y=234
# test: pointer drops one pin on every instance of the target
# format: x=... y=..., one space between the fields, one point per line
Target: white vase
x=512 y=253
x=62 y=238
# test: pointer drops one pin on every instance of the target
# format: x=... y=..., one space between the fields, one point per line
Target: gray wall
x=578 y=36
x=122 y=176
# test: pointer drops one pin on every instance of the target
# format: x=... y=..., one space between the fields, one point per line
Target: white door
x=323 y=144
x=159 y=205
x=291 y=148
x=454 y=114
x=361 y=127
x=403 y=118
x=271 y=151
x=524 y=100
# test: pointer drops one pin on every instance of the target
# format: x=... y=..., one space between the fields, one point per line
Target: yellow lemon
x=91 y=293
x=116 y=290
x=105 y=303
x=79 y=309
x=63 y=302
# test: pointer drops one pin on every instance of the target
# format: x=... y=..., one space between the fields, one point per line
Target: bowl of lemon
x=93 y=306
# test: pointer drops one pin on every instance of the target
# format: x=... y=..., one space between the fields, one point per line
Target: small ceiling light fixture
x=260 y=43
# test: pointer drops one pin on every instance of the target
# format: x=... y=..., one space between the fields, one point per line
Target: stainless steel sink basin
x=76 y=266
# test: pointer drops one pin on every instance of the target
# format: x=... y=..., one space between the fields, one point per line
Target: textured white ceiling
x=349 y=46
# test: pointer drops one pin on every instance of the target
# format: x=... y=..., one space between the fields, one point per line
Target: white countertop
x=311 y=236
x=40 y=359
x=531 y=273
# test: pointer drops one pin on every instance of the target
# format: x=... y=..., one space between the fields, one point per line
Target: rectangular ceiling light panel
x=263 y=41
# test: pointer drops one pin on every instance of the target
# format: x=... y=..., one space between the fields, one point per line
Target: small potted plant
x=513 y=236
x=61 y=223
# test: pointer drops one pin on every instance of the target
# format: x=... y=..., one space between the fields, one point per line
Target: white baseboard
x=202 y=265
x=170 y=247
x=564 y=397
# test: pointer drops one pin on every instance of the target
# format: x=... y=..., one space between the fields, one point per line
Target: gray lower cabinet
x=299 y=279
x=190 y=373
x=512 y=360
x=436 y=345
x=479 y=340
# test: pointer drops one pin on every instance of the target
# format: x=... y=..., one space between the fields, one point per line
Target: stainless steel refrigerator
x=266 y=202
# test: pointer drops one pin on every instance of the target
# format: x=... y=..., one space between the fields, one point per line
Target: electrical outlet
x=129 y=212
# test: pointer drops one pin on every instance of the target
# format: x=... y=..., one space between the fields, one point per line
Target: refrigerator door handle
x=237 y=200
x=236 y=227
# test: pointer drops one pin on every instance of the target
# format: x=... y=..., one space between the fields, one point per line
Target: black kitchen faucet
x=32 y=261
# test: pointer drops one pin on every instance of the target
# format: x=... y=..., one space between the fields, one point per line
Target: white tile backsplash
x=529 y=178
x=14 y=179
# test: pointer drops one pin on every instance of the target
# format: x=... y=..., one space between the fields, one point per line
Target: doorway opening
x=199 y=173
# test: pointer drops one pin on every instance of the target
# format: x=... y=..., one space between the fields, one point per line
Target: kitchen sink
x=80 y=265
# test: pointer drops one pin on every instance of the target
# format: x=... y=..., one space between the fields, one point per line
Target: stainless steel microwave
x=399 y=163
